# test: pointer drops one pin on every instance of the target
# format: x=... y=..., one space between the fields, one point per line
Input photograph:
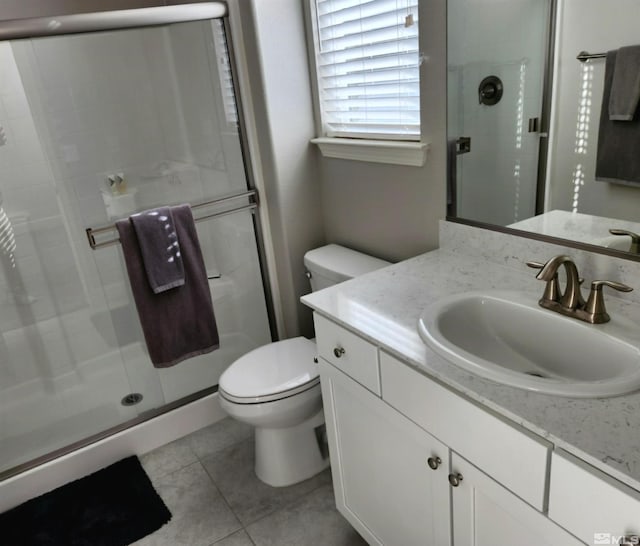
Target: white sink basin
x=508 y=338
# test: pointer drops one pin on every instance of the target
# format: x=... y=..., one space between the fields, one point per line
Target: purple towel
x=160 y=248
x=178 y=323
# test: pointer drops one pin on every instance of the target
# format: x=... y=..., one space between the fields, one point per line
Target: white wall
x=594 y=26
x=279 y=90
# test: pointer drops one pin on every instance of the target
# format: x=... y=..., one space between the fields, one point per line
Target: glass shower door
x=495 y=82
x=95 y=127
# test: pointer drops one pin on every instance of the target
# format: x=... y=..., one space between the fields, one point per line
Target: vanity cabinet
x=493 y=483
x=383 y=483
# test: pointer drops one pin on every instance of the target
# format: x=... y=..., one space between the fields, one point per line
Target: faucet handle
x=595 y=308
x=551 y=291
x=635 y=239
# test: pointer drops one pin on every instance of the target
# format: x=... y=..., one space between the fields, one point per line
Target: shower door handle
x=463 y=145
x=534 y=125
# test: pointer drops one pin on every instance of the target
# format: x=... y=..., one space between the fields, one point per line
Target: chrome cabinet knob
x=455 y=479
x=338 y=351
x=434 y=462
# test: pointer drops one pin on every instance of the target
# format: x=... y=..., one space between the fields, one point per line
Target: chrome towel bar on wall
x=584 y=56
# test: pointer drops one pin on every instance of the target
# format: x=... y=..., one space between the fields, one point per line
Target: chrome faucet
x=570 y=301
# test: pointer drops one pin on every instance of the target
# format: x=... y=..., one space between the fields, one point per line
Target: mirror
x=528 y=160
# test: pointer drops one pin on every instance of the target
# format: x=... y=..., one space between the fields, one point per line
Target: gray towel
x=618 y=159
x=160 y=248
x=177 y=323
x=625 y=87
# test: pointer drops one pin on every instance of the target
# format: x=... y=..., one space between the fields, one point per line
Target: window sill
x=376 y=151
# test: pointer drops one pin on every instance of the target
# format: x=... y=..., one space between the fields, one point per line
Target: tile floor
x=207 y=481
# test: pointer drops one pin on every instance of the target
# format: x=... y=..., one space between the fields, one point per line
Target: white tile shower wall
x=32 y=192
x=191 y=46
x=45 y=284
x=118 y=105
x=98 y=98
x=233 y=243
x=26 y=179
x=126 y=102
x=597 y=27
x=42 y=283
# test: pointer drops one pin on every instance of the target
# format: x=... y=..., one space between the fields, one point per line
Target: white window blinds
x=368 y=68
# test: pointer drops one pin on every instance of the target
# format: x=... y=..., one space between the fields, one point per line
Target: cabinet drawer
x=348 y=352
x=590 y=504
x=509 y=454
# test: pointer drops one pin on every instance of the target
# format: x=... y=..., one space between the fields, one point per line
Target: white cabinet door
x=487 y=514
x=499 y=447
x=383 y=483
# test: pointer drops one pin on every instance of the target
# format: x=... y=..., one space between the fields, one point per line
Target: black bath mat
x=113 y=507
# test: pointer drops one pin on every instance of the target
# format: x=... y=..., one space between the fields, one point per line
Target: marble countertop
x=575 y=226
x=384 y=307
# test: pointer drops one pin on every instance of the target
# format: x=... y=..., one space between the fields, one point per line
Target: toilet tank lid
x=341 y=263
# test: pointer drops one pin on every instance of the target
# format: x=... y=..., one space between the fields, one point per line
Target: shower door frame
x=38 y=27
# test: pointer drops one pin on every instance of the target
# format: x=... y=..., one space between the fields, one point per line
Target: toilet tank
x=331 y=264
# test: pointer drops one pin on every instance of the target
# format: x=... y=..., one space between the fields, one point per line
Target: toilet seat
x=271 y=372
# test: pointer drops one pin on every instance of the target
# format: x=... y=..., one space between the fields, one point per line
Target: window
x=367 y=65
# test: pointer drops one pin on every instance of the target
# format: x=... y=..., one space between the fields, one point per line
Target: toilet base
x=285 y=456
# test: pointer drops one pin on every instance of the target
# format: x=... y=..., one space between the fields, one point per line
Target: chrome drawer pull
x=338 y=352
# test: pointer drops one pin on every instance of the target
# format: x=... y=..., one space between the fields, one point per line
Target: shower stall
x=99 y=121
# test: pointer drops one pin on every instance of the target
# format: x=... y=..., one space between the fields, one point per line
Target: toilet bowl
x=276 y=387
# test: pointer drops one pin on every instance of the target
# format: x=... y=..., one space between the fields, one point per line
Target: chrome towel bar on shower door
x=251 y=195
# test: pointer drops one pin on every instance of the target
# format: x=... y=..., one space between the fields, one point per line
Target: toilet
x=276 y=387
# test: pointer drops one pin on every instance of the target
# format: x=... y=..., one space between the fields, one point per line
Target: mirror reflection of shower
x=497 y=180
x=519 y=127
x=583 y=121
